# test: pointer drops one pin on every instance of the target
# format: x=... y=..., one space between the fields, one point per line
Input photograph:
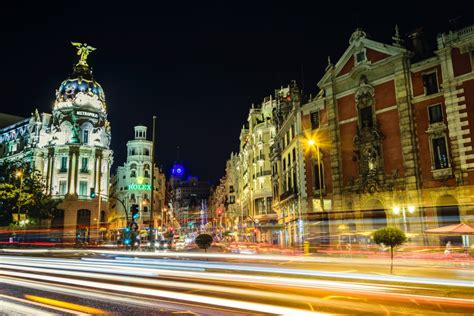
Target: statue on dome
x=83 y=50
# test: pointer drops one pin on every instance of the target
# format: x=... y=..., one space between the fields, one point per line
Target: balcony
x=62 y=170
x=85 y=171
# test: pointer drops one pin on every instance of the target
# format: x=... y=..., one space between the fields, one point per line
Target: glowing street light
x=396 y=211
x=313 y=144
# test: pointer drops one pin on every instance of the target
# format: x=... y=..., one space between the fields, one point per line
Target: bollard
x=306 y=248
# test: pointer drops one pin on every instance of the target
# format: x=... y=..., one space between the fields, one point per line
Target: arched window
x=133 y=174
x=146 y=152
x=147 y=174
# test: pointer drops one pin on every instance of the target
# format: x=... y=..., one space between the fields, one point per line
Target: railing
x=62 y=170
x=84 y=170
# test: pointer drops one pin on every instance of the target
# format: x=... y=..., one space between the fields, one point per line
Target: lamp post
x=19 y=174
x=314 y=144
x=152 y=197
x=241 y=219
x=396 y=211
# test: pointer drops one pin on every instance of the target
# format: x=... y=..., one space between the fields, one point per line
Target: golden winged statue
x=83 y=50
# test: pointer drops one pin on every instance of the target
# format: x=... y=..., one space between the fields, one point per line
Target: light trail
x=241 y=305
x=368 y=290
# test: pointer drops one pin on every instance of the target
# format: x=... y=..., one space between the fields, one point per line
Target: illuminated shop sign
x=136 y=186
x=88 y=114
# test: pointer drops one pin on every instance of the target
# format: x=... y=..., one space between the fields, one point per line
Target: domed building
x=70 y=148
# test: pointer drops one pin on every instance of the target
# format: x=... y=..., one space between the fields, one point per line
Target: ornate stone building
x=70 y=148
x=131 y=184
x=397 y=122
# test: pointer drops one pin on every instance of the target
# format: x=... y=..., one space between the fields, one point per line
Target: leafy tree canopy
x=203 y=241
x=23 y=189
x=390 y=236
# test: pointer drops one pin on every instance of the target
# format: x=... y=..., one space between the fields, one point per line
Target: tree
x=392 y=237
x=25 y=194
x=204 y=241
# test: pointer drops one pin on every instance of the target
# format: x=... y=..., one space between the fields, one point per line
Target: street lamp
x=19 y=174
x=396 y=211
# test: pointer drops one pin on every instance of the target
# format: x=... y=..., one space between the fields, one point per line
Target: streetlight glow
x=311 y=142
x=411 y=209
x=396 y=210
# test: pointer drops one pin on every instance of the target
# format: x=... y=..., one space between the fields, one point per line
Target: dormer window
x=360 y=56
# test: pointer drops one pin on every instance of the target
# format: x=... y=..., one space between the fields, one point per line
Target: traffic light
x=92 y=194
x=135 y=213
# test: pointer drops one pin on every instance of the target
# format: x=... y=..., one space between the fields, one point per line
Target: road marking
x=41 y=305
x=67 y=305
x=17 y=309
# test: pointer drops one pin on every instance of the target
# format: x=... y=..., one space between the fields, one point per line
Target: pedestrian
x=447 y=251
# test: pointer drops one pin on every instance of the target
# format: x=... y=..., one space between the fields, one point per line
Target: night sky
x=197 y=68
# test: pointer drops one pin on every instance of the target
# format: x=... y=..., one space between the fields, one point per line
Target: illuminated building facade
x=70 y=148
x=131 y=184
x=395 y=138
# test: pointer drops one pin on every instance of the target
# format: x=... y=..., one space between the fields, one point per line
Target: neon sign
x=135 y=186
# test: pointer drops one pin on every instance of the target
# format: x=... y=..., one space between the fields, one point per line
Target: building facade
x=387 y=141
x=395 y=135
x=131 y=184
x=70 y=148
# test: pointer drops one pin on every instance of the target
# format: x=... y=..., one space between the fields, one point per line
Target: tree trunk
x=391 y=260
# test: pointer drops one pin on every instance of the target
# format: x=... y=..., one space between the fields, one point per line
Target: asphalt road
x=148 y=284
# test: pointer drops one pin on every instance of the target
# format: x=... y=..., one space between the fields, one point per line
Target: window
x=62 y=187
x=133 y=174
x=84 y=163
x=366 y=118
x=146 y=152
x=440 y=153
x=314 y=120
x=430 y=82
x=231 y=189
x=318 y=182
x=294 y=154
x=83 y=188
x=435 y=113
x=147 y=174
x=85 y=137
x=360 y=56
x=63 y=163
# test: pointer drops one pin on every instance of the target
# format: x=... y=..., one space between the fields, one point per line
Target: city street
x=101 y=282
